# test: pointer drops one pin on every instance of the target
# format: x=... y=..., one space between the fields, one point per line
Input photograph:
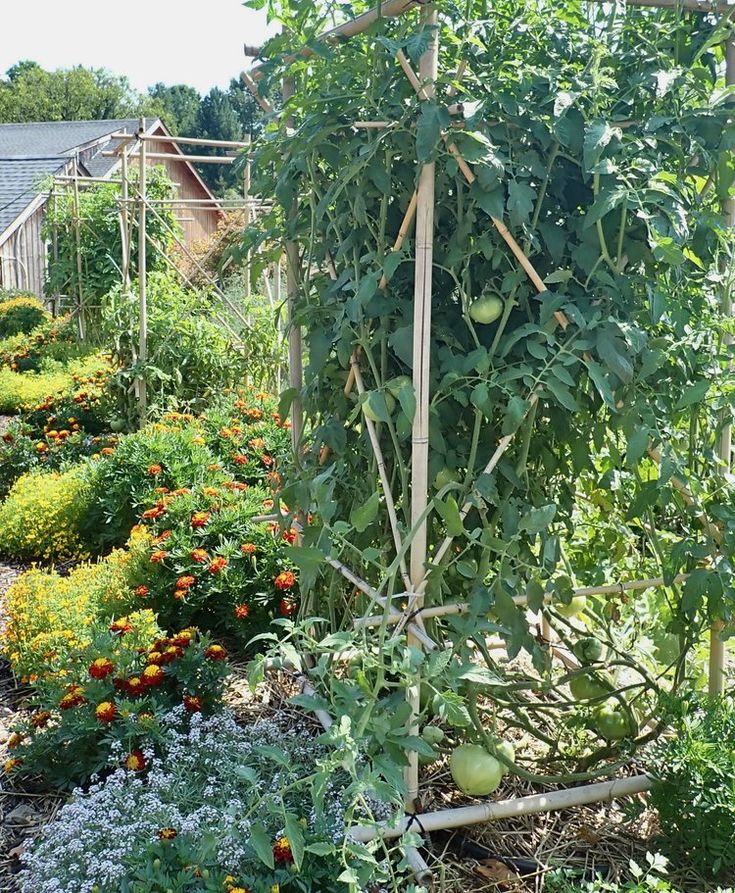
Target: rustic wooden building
x=32 y=153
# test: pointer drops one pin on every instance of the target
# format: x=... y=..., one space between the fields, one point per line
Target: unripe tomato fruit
x=474 y=770
x=369 y=405
x=486 y=310
x=432 y=734
x=584 y=686
x=613 y=722
x=573 y=609
x=588 y=650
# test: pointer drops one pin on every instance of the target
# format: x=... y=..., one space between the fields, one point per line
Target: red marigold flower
x=101 y=668
x=182 y=491
x=180 y=594
x=154 y=469
x=185 y=582
x=287 y=607
x=152 y=675
x=135 y=761
x=134 y=686
x=200 y=556
x=162 y=537
x=170 y=654
x=121 y=626
x=192 y=703
x=72 y=698
x=12 y=764
x=249 y=548
x=285 y=580
x=141 y=591
x=183 y=638
x=215 y=652
x=39 y=720
x=290 y=535
x=167 y=833
x=240 y=459
x=156 y=512
x=266 y=460
x=199 y=519
x=242 y=611
x=106 y=711
x=155 y=657
x=219 y=564
x=161 y=490
x=159 y=556
x=282 y=851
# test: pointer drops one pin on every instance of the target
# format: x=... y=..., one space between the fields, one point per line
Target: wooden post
x=295 y=355
x=717 y=652
x=142 y=283
x=421 y=362
x=78 y=251
x=246 y=195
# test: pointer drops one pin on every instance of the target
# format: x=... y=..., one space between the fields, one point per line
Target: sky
x=174 y=41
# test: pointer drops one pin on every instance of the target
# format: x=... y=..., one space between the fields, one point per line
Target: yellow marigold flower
x=12 y=764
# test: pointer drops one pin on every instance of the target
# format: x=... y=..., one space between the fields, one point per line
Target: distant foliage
x=20 y=314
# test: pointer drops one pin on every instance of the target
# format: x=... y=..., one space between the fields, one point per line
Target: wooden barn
x=32 y=153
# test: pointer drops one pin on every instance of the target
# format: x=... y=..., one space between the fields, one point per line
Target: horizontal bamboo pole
x=371 y=125
x=533 y=804
x=689 y=5
x=388 y=10
x=186 y=140
x=172 y=156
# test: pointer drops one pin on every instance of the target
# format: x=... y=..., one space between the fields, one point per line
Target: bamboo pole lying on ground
x=533 y=804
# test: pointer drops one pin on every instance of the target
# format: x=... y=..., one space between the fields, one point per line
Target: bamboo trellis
x=421 y=208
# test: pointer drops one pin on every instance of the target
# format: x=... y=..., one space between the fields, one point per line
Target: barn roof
x=29 y=153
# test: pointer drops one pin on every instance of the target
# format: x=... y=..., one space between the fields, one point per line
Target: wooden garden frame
x=421 y=208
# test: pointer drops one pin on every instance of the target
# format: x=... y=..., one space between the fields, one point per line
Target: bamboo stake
x=142 y=282
x=172 y=156
x=533 y=804
x=703 y=6
x=78 y=245
x=389 y=504
x=125 y=222
x=389 y=9
x=253 y=88
x=397 y=245
x=717 y=651
x=424 y=251
x=415 y=630
x=188 y=141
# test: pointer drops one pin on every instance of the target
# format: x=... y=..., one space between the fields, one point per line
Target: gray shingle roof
x=29 y=153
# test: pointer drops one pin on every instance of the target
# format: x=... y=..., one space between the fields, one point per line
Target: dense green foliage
x=20 y=314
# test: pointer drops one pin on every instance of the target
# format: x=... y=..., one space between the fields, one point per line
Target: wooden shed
x=31 y=153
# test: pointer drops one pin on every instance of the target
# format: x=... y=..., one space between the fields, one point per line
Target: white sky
x=174 y=41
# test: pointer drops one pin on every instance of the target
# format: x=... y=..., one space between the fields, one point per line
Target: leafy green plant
x=114 y=691
x=693 y=792
x=20 y=314
x=53 y=340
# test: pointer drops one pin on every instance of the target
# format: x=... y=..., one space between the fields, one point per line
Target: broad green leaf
x=262 y=844
x=692 y=394
x=538 y=519
x=449 y=511
x=363 y=514
x=295 y=837
x=432 y=120
x=597 y=137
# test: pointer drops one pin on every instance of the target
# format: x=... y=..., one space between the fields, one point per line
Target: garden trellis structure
x=420 y=215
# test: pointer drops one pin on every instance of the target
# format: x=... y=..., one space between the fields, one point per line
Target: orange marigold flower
x=101 y=668
x=142 y=590
x=180 y=594
x=161 y=490
x=107 y=451
x=249 y=548
x=287 y=607
x=242 y=611
x=12 y=764
x=167 y=833
x=219 y=564
x=215 y=466
x=121 y=626
x=266 y=460
x=254 y=413
x=226 y=433
x=267 y=503
x=182 y=491
x=15 y=740
x=73 y=698
x=135 y=761
x=152 y=675
x=185 y=582
x=282 y=851
x=158 y=556
x=154 y=469
x=106 y=711
x=39 y=720
x=155 y=512
x=170 y=654
x=211 y=492
x=215 y=652
x=201 y=556
x=240 y=459
x=199 y=519
x=257 y=443
x=290 y=535
x=162 y=537
x=285 y=580
x=192 y=703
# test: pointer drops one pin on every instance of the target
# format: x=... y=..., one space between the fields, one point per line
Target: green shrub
x=41 y=518
x=53 y=340
x=644 y=880
x=115 y=700
x=21 y=314
x=21 y=392
x=693 y=790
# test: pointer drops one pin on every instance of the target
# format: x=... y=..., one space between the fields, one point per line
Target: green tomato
x=474 y=770
x=117 y=424
x=446 y=476
x=584 y=686
x=395 y=384
x=372 y=405
x=588 y=650
x=613 y=722
x=432 y=734
x=486 y=310
x=574 y=608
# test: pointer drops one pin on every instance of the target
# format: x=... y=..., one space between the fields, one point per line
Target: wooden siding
x=23 y=257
